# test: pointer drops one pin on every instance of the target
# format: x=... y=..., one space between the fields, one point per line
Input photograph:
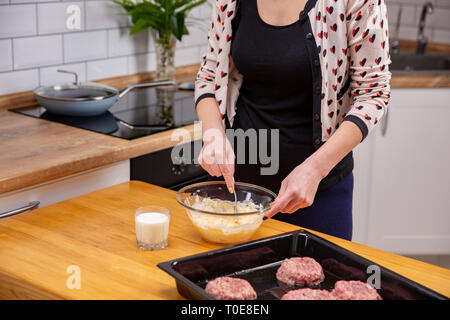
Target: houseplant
x=168 y=22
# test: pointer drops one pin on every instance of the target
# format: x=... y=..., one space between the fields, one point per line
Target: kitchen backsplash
x=437 y=27
x=39 y=36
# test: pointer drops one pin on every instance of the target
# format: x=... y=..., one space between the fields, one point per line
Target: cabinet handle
x=32 y=205
x=384 y=124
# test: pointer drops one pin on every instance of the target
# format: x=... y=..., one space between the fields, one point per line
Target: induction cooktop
x=141 y=112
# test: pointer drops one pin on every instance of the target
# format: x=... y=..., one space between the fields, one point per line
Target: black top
x=276 y=93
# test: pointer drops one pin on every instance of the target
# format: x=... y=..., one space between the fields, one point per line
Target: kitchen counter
x=420 y=80
x=35 y=151
x=95 y=232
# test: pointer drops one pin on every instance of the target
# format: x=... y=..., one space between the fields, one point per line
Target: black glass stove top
x=139 y=113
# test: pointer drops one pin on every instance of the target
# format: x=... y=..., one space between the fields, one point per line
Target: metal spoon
x=235 y=196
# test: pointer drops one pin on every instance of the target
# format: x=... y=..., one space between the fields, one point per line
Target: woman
x=317 y=70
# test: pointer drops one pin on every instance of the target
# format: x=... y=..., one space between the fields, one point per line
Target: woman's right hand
x=217 y=156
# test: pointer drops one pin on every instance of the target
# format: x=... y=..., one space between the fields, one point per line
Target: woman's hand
x=217 y=156
x=300 y=186
x=297 y=190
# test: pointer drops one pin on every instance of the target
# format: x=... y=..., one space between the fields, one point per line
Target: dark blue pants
x=331 y=212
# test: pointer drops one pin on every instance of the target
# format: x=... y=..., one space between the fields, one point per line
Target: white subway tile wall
x=52 y=17
x=18 y=81
x=443 y=3
x=440 y=19
x=184 y=56
x=36 y=39
x=5 y=55
x=120 y=43
x=50 y=76
x=104 y=14
x=437 y=25
x=441 y=33
x=17 y=21
x=140 y=62
x=84 y=46
x=107 y=68
x=37 y=51
x=30 y=1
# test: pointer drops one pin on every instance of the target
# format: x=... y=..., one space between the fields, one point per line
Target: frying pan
x=84 y=99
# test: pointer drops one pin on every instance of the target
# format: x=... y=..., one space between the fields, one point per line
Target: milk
x=152 y=229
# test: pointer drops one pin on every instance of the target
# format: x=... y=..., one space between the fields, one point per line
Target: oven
x=160 y=169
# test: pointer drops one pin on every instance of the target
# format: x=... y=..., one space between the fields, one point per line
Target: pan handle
x=71 y=72
x=145 y=85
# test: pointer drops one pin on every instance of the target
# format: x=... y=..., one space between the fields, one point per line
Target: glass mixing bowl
x=210 y=207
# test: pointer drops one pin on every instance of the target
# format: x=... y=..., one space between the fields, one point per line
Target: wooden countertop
x=96 y=233
x=35 y=151
x=39 y=151
x=420 y=80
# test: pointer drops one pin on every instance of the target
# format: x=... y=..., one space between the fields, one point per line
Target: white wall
x=35 y=41
x=437 y=27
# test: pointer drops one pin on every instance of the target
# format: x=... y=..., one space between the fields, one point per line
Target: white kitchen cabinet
x=363 y=155
x=68 y=187
x=402 y=178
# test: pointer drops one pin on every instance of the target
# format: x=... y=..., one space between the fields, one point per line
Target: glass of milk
x=152 y=227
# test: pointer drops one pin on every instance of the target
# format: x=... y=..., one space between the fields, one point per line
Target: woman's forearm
x=299 y=188
x=347 y=137
x=209 y=114
x=217 y=156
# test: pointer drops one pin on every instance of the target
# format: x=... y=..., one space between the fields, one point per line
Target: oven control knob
x=178 y=167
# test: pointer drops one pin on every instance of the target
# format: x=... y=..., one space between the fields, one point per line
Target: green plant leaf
x=126 y=4
x=174 y=27
x=179 y=4
x=185 y=30
x=165 y=16
x=140 y=25
x=192 y=5
x=180 y=24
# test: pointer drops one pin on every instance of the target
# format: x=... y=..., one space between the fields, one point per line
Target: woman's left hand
x=297 y=190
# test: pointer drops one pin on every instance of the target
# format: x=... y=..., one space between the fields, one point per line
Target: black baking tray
x=257 y=262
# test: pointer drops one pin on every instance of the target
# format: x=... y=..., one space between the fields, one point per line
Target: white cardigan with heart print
x=349 y=46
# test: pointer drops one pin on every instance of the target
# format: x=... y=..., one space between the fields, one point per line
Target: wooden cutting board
x=42 y=250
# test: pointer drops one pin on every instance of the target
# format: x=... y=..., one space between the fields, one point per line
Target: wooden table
x=95 y=233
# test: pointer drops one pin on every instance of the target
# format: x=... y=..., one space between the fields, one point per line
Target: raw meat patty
x=354 y=290
x=308 y=294
x=300 y=271
x=227 y=288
